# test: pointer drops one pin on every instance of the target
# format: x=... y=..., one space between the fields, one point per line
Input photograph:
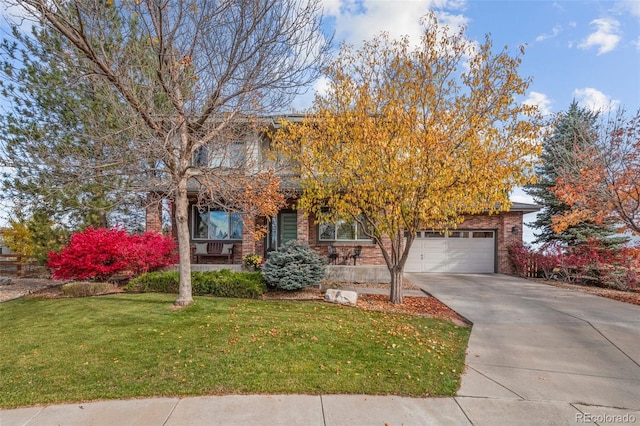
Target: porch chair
x=333 y=254
x=356 y=253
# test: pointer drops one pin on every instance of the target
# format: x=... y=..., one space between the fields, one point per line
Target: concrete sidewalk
x=308 y=410
x=538 y=355
x=247 y=410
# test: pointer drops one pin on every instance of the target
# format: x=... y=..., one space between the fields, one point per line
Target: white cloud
x=541 y=100
x=305 y=101
x=357 y=21
x=633 y=6
x=606 y=37
x=554 y=32
x=12 y=14
x=331 y=7
x=455 y=22
x=321 y=86
x=594 y=99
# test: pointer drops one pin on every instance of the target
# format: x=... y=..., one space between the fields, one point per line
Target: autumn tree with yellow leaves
x=409 y=138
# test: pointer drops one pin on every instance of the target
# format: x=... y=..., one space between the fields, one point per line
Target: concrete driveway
x=533 y=342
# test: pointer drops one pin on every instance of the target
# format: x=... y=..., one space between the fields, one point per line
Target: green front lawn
x=125 y=346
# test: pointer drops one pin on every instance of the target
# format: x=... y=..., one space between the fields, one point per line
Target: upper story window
x=341 y=231
x=215 y=225
x=228 y=155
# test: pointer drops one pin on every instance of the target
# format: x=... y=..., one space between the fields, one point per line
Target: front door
x=287 y=227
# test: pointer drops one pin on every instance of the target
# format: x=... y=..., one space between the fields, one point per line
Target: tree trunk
x=397 y=281
x=182 y=224
x=103 y=219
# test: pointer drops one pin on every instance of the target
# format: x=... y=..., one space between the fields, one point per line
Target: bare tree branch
x=186 y=70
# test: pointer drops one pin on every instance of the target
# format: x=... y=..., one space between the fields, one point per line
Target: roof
x=525 y=207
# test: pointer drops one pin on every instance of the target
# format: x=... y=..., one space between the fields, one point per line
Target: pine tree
x=63 y=146
x=577 y=130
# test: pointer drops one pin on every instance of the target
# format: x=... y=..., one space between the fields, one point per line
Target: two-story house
x=479 y=245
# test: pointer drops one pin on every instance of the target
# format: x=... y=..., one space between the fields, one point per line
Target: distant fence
x=531 y=269
x=18 y=265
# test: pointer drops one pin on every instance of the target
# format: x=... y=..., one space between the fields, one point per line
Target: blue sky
x=583 y=50
x=587 y=50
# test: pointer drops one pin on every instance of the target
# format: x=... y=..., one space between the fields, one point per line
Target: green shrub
x=226 y=283
x=293 y=266
x=155 y=282
x=223 y=283
x=86 y=289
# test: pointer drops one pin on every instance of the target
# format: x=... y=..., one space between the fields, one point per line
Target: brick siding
x=153 y=213
x=502 y=224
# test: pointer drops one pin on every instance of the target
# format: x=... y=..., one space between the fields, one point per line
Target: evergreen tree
x=576 y=131
x=62 y=144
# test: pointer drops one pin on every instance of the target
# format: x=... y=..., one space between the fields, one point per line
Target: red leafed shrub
x=521 y=258
x=541 y=263
x=624 y=271
x=150 y=251
x=597 y=264
x=590 y=263
x=547 y=260
x=100 y=253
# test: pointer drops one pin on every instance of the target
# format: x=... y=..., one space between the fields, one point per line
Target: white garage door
x=458 y=252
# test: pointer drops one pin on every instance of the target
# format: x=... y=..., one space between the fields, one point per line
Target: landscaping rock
x=344 y=297
x=5 y=281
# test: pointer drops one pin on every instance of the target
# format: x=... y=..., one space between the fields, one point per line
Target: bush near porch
x=222 y=283
x=100 y=254
x=293 y=266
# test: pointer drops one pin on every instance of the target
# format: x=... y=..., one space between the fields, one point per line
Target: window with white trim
x=427 y=234
x=229 y=155
x=341 y=231
x=215 y=224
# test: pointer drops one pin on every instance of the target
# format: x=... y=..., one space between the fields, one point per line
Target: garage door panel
x=470 y=263
x=470 y=244
x=462 y=252
x=426 y=259
x=435 y=262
